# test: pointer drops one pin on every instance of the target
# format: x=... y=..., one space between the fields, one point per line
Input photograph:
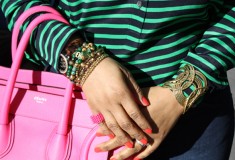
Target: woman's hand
x=111 y=90
x=163 y=112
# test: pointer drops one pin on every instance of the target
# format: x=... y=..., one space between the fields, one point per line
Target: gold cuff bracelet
x=188 y=79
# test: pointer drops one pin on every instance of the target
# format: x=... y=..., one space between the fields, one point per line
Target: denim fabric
x=203 y=133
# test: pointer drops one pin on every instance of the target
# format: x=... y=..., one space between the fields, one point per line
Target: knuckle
x=135 y=115
x=126 y=126
x=137 y=136
x=121 y=140
x=104 y=131
x=112 y=126
x=138 y=89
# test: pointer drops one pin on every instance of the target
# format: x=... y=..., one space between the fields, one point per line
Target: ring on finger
x=141 y=144
x=97 y=118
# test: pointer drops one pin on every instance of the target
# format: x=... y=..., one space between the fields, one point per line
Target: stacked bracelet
x=189 y=81
x=79 y=65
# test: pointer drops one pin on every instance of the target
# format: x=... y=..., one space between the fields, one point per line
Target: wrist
x=79 y=59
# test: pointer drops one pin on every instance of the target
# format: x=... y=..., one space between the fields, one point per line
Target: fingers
x=104 y=131
x=136 y=115
x=129 y=126
x=127 y=112
x=120 y=138
x=125 y=97
x=115 y=100
x=136 y=90
x=122 y=127
x=133 y=152
x=98 y=118
x=147 y=151
x=122 y=154
x=126 y=123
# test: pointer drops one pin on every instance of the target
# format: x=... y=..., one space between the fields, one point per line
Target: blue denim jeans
x=203 y=133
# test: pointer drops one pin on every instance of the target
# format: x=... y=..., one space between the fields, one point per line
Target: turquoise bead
x=74 y=69
x=79 y=61
x=79 y=49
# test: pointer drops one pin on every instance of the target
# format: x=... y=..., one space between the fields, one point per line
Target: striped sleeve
x=215 y=53
x=47 y=40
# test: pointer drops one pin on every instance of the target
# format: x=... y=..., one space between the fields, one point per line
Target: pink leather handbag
x=42 y=115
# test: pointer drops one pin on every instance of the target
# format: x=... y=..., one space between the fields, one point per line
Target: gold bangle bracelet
x=91 y=68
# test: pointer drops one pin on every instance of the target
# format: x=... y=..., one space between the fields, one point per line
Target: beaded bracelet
x=187 y=78
x=77 y=66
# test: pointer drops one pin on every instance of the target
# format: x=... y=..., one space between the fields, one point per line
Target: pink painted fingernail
x=129 y=144
x=136 y=158
x=148 y=131
x=145 y=101
x=144 y=141
x=111 y=136
x=113 y=159
x=97 y=149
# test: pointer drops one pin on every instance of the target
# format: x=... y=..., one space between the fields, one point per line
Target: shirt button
x=139 y=4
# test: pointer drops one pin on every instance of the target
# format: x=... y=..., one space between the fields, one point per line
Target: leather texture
x=42 y=115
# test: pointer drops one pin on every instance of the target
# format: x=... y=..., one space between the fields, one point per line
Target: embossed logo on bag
x=39 y=99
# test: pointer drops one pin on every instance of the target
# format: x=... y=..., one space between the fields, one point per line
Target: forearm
x=215 y=52
x=47 y=40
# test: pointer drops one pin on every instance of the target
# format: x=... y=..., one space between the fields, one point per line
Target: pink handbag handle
x=60 y=140
x=20 y=21
x=62 y=129
x=4 y=119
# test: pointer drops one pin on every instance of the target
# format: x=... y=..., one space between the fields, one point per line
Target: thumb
x=136 y=90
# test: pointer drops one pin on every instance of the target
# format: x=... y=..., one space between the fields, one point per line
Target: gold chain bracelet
x=187 y=78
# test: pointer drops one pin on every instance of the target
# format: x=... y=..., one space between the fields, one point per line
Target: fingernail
x=136 y=158
x=129 y=144
x=99 y=134
x=148 y=131
x=111 y=136
x=145 y=101
x=97 y=149
x=144 y=141
x=113 y=159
